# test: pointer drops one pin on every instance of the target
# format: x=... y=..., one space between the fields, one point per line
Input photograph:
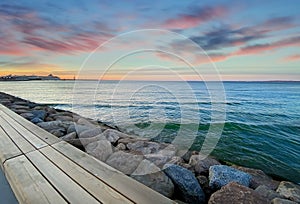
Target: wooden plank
x=8 y=149
x=29 y=136
x=130 y=188
x=89 y=182
x=21 y=142
x=28 y=184
x=41 y=133
x=70 y=190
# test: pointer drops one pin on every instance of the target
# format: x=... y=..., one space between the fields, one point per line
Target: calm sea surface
x=261 y=126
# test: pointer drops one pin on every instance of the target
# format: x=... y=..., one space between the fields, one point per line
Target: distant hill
x=28 y=78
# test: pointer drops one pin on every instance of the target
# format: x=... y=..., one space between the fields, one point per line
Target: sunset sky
x=246 y=40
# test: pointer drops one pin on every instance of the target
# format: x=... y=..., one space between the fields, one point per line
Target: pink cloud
x=202 y=15
x=261 y=48
x=292 y=58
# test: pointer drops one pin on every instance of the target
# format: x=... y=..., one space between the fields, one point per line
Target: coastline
x=151 y=162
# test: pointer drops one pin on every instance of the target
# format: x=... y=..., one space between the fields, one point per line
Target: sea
x=258 y=122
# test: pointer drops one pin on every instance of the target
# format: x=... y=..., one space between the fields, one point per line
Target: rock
x=282 y=201
x=267 y=192
x=84 y=121
x=121 y=146
x=220 y=175
x=175 y=160
x=88 y=140
x=69 y=136
x=58 y=132
x=158 y=159
x=79 y=128
x=20 y=107
x=202 y=180
x=28 y=116
x=64 y=118
x=53 y=125
x=39 y=114
x=144 y=147
x=20 y=111
x=152 y=176
x=22 y=103
x=201 y=164
x=71 y=128
x=126 y=140
x=101 y=149
x=124 y=162
x=90 y=132
x=76 y=143
x=233 y=193
x=289 y=190
x=36 y=120
x=114 y=135
x=258 y=178
x=185 y=183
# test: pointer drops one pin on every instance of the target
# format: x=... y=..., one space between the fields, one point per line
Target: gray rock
x=71 y=128
x=88 y=140
x=79 y=128
x=220 y=175
x=63 y=118
x=112 y=135
x=39 y=114
x=101 y=149
x=258 y=178
x=69 y=136
x=282 y=201
x=58 y=132
x=90 y=132
x=36 y=120
x=175 y=160
x=20 y=111
x=186 y=184
x=124 y=162
x=28 y=116
x=54 y=125
x=152 y=176
x=233 y=193
x=144 y=147
x=201 y=163
x=84 y=121
x=121 y=146
x=289 y=190
x=267 y=192
x=158 y=159
x=19 y=107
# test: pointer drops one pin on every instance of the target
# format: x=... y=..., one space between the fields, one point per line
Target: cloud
x=261 y=48
x=292 y=58
x=195 y=17
x=23 y=30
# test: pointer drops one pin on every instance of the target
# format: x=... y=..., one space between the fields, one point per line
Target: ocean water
x=260 y=120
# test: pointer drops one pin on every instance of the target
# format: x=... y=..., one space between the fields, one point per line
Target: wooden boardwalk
x=41 y=168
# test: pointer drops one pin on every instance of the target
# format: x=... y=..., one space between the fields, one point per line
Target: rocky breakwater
x=191 y=178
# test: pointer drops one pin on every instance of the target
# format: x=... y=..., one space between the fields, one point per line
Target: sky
x=151 y=40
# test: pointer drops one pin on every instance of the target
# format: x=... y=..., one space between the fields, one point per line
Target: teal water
x=261 y=126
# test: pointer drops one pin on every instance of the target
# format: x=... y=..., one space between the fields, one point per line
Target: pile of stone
x=191 y=178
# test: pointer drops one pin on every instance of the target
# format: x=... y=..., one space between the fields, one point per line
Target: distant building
x=28 y=78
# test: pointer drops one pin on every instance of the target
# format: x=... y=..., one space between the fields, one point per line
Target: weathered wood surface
x=41 y=168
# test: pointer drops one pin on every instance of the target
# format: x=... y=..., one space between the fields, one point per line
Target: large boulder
x=289 y=190
x=258 y=178
x=201 y=163
x=124 y=162
x=220 y=175
x=114 y=135
x=90 y=132
x=233 y=193
x=100 y=149
x=54 y=125
x=28 y=116
x=152 y=176
x=158 y=159
x=267 y=192
x=282 y=201
x=144 y=147
x=185 y=183
x=41 y=114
